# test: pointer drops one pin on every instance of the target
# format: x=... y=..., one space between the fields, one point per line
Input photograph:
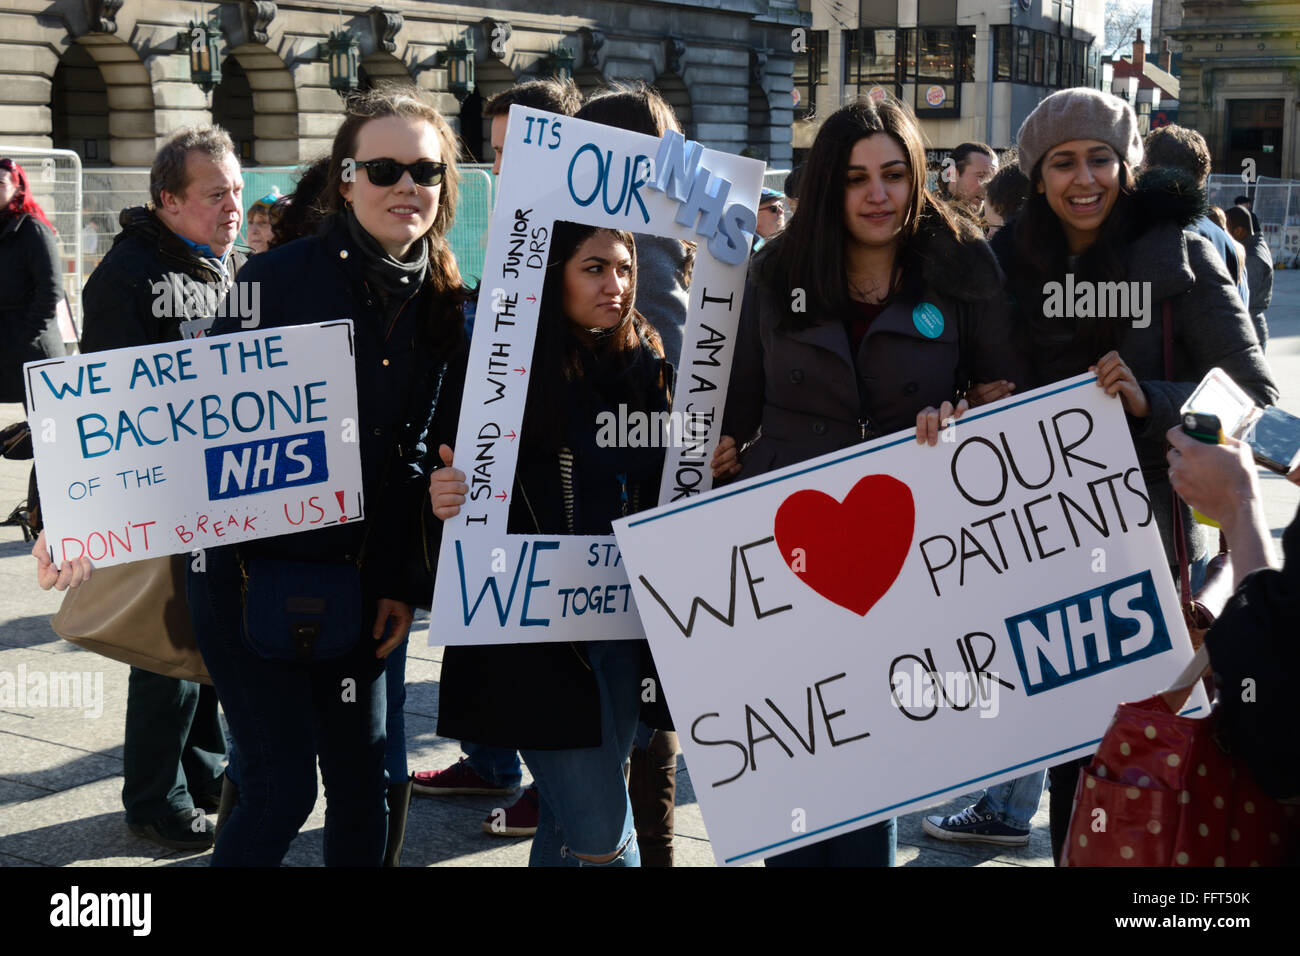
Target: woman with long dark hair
x=382 y=260
x=570 y=708
x=30 y=287
x=1089 y=219
x=876 y=310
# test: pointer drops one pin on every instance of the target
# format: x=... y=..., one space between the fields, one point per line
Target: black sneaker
x=973 y=825
x=183 y=830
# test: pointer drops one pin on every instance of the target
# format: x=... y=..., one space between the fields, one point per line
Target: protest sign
x=890 y=626
x=166 y=449
x=493 y=587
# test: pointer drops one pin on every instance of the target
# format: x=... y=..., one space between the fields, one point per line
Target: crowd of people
x=857 y=229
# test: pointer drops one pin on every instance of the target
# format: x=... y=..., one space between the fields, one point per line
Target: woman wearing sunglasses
x=381 y=260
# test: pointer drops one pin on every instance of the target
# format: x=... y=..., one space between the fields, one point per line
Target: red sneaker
x=458 y=779
x=517 y=820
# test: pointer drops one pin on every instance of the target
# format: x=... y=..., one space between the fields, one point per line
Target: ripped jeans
x=582 y=791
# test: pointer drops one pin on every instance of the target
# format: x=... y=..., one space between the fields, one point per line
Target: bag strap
x=1180 y=541
x=1190 y=674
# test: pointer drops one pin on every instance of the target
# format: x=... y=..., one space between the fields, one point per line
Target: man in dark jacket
x=1259 y=267
x=172 y=262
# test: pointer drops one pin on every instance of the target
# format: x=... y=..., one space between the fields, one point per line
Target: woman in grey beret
x=1089 y=221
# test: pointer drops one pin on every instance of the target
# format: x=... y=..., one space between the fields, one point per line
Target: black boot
x=399 y=803
x=226 y=806
x=652 y=787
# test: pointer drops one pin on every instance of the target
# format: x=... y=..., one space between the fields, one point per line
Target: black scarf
x=393 y=279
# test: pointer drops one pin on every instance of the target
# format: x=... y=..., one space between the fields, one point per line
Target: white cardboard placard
x=796 y=618
x=497 y=588
x=171 y=448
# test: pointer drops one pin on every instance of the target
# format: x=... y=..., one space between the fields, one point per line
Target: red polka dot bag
x=1162 y=791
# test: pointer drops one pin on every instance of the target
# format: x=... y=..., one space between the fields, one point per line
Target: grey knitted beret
x=1079 y=113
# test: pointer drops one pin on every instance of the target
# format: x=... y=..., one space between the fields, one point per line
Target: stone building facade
x=1240 y=82
x=111 y=79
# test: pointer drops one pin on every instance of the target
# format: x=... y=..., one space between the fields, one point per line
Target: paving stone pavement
x=61 y=769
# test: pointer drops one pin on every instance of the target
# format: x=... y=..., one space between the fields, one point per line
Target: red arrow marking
x=502 y=496
x=511 y=435
x=521 y=371
x=532 y=298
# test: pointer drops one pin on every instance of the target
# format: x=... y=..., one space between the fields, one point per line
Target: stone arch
x=79 y=107
x=123 y=91
x=491 y=77
x=233 y=110
x=673 y=89
x=273 y=98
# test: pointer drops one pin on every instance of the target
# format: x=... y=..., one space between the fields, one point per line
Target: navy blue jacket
x=317 y=279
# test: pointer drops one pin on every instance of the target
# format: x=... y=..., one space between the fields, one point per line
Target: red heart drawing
x=849 y=552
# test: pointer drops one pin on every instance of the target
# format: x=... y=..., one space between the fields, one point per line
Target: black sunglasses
x=386 y=172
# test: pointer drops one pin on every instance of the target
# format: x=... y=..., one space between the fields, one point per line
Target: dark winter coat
x=317 y=279
x=149 y=282
x=1255 y=638
x=30 y=291
x=1210 y=328
x=545 y=696
x=802 y=386
x=1259 y=267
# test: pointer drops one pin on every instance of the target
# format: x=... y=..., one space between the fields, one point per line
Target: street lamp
x=458 y=58
x=560 y=62
x=205 y=55
x=343 y=49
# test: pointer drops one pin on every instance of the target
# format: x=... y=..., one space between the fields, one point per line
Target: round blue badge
x=928 y=320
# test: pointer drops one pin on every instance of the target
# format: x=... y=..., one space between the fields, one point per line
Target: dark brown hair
x=1041 y=252
x=444 y=274
x=961 y=157
x=1179 y=147
x=560 y=345
x=809 y=255
x=551 y=94
x=632 y=106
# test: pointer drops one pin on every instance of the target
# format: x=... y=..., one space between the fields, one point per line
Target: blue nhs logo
x=1088 y=633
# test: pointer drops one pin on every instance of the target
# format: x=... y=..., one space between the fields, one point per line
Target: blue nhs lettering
x=1088 y=633
x=250 y=468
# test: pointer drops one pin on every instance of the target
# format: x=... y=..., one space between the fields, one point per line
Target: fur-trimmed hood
x=963 y=266
x=1167 y=195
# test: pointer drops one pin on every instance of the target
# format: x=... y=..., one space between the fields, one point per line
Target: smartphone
x=1275 y=439
x=1203 y=427
x=1218 y=395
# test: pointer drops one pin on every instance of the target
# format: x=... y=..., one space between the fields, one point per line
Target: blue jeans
x=282 y=716
x=395 y=679
x=871 y=846
x=1015 y=802
x=584 y=806
x=497 y=765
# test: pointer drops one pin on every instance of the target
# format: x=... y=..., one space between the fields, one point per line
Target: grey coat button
x=343 y=253
x=796 y=376
x=819 y=428
x=379 y=431
x=910 y=388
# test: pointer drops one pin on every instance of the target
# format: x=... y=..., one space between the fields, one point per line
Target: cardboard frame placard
x=171 y=448
x=831 y=635
x=493 y=587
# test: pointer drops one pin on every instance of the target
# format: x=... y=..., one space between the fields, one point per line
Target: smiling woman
x=1089 y=225
x=381 y=260
x=876 y=310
